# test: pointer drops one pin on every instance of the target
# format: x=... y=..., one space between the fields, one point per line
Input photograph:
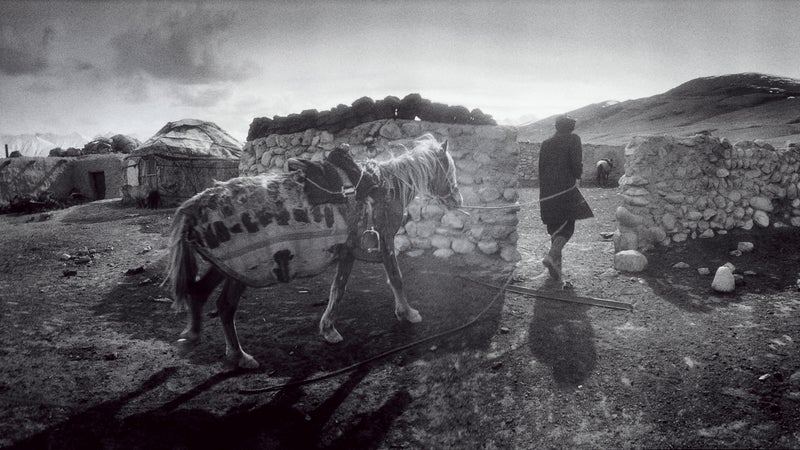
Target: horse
x=603 y=169
x=260 y=230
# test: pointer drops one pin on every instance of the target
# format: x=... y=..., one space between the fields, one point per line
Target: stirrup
x=370 y=240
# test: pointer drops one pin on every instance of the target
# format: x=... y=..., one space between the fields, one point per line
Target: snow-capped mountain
x=40 y=144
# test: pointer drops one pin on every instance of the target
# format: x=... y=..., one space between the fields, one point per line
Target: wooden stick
x=584 y=300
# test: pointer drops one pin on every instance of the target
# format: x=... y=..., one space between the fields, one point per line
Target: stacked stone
x=676 y=189
x=486 y=162
x=365 y=110
x=528 y=171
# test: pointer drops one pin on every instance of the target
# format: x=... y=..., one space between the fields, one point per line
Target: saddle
x=338 y=179
x=333 y=180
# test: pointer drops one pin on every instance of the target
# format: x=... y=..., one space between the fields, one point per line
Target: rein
x=335 y=373
x=343 y=192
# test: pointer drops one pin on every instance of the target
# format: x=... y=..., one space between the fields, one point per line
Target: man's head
x=565 y=124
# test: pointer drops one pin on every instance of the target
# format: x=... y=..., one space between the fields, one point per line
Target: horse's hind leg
x=227 y=302
x=338 y=287
x=395 y=279
x=198 y=295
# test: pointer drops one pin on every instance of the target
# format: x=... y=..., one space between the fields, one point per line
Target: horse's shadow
x=276 y=424
x=278 y=326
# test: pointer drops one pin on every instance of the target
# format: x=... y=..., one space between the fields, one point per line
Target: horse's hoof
x=243 y=361
x=410 y=315
x=186 y=345
x=332 y=336
x=247 y=362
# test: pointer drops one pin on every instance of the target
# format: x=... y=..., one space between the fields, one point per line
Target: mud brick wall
x=34 y=175
x=676 y=189
x=486 y=159
x=528 y=171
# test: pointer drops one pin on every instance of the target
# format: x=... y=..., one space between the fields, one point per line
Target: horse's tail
x=182 y=268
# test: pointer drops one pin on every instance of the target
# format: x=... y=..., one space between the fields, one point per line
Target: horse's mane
x=410 y=173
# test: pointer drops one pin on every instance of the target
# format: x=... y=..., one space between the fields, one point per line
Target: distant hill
x=39 y=144
x=744 y=106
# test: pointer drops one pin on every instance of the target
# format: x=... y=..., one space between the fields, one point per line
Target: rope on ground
x=367 y=361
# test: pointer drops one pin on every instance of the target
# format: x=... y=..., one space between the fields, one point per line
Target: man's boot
x=553 y=259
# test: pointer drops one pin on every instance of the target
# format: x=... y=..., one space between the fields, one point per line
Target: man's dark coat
x=560 y=164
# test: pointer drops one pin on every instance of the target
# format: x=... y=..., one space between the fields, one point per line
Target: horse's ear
x=444 y=147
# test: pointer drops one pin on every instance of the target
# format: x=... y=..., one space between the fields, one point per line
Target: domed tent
x=182 y=159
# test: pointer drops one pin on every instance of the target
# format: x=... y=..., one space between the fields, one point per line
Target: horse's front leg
x=338 y=287
x=395 y=279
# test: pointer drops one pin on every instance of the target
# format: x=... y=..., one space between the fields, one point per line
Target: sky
x=97 y=67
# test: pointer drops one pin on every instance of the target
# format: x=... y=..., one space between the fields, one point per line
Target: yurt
x=182 y=159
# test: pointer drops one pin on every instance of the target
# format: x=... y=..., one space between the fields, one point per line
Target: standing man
x=560 y=201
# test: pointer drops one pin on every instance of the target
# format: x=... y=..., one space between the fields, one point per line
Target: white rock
x=679 y=237
x=761 y=218
x=761 y=203
x=463 y=246
x=510 y=254
x=488 y=247
x=680 y=265
x=440 y=241
x=432 y=212
x=709 y=233
x=402 y=242
x=630 y=261
x=745 y=247
x=626 y=241
x=669 y=221
x=453 y=220
x=626 y=218
x=416 y=253
x=704 y=271
x=723 y=280
x=443 y=253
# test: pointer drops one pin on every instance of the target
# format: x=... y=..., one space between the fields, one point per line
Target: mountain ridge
x=744 y=106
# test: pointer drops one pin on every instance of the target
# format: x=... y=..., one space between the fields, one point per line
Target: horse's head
x=444 y=185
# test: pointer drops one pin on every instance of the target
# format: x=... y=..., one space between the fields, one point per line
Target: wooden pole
x=585 y=300
x=6 y=150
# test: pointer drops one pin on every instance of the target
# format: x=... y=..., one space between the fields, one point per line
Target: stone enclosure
x=486 y=158
x=676 y=189
x=528 y=169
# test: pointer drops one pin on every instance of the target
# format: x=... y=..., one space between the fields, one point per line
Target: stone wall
x=528 y=171
x=675 y=189
x=486 y=158
x=366 y=110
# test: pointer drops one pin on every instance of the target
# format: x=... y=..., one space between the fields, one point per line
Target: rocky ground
x=87 y=357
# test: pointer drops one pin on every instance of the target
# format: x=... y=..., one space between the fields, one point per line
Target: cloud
x=134 y=89
x=20 y=54
x=183 y=47
x=201 y=97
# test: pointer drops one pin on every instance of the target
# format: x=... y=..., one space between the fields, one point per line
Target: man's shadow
x=561 y=336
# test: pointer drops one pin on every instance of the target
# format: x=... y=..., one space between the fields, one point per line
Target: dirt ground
x=87 y=360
